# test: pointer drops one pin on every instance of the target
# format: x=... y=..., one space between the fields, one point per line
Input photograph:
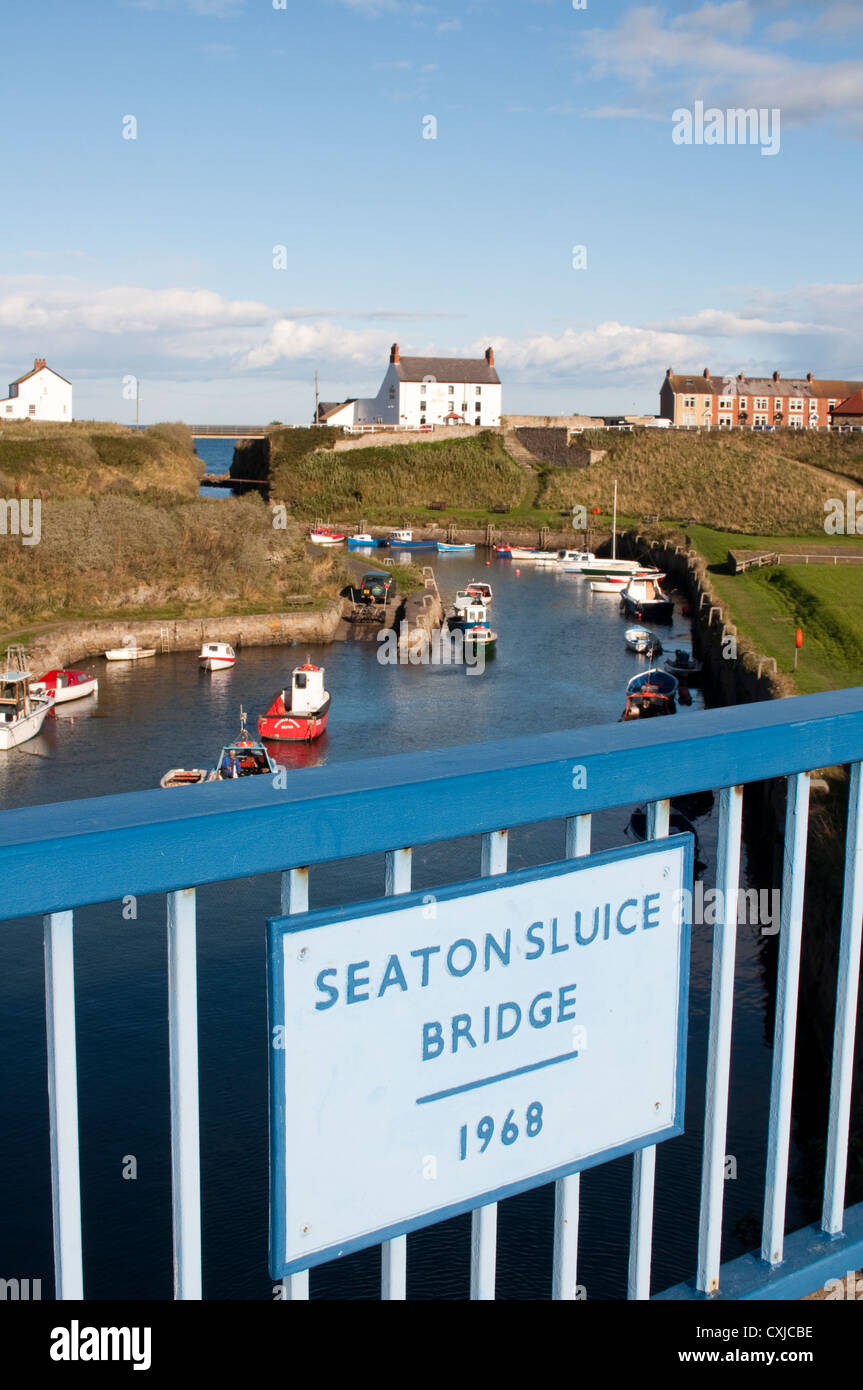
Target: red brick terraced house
x=714 y=402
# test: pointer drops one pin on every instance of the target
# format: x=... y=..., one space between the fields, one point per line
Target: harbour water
x=561 y=663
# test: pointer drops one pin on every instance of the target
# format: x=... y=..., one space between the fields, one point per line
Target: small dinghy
x=650 y=693
x=643 y=641
x=61 y=686
x=684 y=666
x=607 y=586
x=301 y=714
x=455 y=548
x=216 y=656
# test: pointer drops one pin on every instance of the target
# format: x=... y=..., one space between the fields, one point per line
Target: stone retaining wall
x=78 y=642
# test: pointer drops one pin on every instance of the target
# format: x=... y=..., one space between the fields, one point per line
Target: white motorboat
x=129 y=651
x=216 y=656
x=325 y=535
x=572 y=561
x=643 y=598
x=21 y=714
x=643 y=641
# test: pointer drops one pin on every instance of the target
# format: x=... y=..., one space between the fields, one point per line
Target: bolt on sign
x=431 y=1055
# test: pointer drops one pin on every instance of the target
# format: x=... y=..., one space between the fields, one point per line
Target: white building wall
x=475 y=403
x=43 y=396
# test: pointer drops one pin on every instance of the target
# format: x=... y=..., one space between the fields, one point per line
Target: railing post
x=394 y=1253
x=567 y=1191
x=785 y=1026
x=644 y=1160
x=63 y=1104
x=483 y=1234
x=719 y=1041
x=832 y=1217
x=295 y=898
x=185 y=1122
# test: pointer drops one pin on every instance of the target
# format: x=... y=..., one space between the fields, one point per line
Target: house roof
x=852 y=406
x=698 y=385
x=464 y=370
x=328 y=408
x=34 y=371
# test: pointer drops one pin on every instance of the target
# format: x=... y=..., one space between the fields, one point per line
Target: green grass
x=714 y=545
x=768 y=605
x=395 y=481
x=86 y=459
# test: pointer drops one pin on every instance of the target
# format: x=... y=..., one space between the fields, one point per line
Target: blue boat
x=650 y=693
x=447 y=548
x=363 y=541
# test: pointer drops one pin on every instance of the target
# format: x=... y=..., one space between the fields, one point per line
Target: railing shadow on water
x=57 y=859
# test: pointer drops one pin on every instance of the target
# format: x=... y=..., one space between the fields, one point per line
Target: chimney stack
x=39 y=363
x=740 y=376
x=808 y=376
x=669 y=374
x=706 y=373
x=394 y=353
x=489 y=356
x=775 y=376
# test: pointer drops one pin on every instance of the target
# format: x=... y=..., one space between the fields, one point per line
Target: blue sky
x=302 y=128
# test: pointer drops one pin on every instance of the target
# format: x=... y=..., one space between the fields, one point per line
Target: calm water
x=561 y=664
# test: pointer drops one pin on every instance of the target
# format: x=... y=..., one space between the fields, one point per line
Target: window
x=741 y=401
x=32 y=410
x=464 y=405
x=777 y=402
x=423 y=405
x=479 y=390
x=451 y=390
x=724 y=421
x=688 y=402
x=832 y=404
x=8 y=410
x=422 y=419
x=725 y=404
x=796 y=403
x=761 y=403
x=760 y=420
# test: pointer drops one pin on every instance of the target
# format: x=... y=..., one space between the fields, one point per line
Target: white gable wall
x=401 y=402
x=43 y=396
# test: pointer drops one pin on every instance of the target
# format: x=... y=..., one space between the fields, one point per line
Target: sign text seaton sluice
x=431 y=1054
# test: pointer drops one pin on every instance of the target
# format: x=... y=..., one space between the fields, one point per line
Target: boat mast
x=614 y=525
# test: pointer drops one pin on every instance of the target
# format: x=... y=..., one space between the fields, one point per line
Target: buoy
x=518 y=571
x=488 y=562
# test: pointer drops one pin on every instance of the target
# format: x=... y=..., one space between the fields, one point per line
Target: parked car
x=378 y=586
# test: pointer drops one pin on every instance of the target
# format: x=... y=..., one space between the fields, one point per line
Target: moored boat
x=129 y=652
x=642 y=598
x=21 y=713
x=364 y=541
x=684 y=666
x=301 y=714
x=325 y=535
x=650 y=693
x=608 y=586
x=643 y=641
x=474 y=592
x=61 y=686
x=454 y=548
x=572 y=561
x=216 y=656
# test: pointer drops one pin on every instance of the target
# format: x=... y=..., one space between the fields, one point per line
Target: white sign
x=432 y=1054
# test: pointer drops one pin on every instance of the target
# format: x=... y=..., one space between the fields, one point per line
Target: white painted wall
x=43 y=396
x=400 y=402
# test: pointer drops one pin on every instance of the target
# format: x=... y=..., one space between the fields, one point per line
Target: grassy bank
x=768 y=605
x=392 y=482
x=735 y=482
x=90 y=458
x=127 y=556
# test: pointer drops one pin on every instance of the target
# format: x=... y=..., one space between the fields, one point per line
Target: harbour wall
x=78 y=642
x=743 y=679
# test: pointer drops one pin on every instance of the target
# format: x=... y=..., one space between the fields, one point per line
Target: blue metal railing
x=54 y=859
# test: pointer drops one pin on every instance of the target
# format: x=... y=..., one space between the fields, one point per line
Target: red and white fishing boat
x=216 y=656
x=325 y=535
x=65 y=685
x=298 y=715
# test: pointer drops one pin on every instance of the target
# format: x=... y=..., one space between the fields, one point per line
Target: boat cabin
x=14 y=696
x=307 y=689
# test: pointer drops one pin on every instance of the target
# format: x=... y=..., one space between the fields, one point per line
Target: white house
x=38 y=395
x=427 y=391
